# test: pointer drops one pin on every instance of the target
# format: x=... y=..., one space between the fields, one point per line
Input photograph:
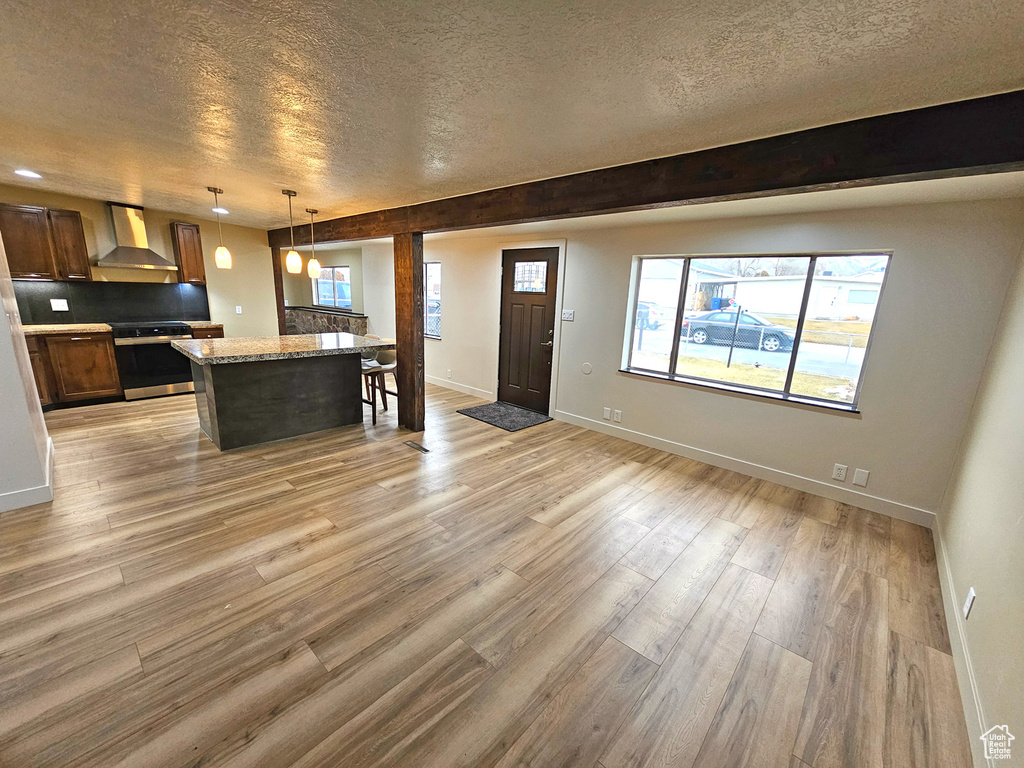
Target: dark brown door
x=70 y=251
x=26 y=236
x=188 y=252
x=84 y=366
x=528 y=277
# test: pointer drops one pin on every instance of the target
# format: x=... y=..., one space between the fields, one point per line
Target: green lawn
x=747 y=375
x=844 y=327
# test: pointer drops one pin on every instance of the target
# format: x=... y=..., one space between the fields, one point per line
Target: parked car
x=649 y=316
x=717 y=327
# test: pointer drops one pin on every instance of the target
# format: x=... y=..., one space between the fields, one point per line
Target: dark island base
x=249 y=403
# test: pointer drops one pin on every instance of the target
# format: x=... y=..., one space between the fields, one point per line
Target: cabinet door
x=207 y=333
x=84 y=366
x=37 y=355
x=70 y=251
x=26 y=237
x=188 y=252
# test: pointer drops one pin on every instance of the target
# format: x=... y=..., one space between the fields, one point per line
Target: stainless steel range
x=146 y=363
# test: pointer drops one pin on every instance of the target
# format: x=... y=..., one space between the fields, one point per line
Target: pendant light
x=292 y=259
x=222 y=256
x=313 y=267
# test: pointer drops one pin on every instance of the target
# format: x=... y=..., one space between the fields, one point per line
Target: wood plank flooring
x=551 y=597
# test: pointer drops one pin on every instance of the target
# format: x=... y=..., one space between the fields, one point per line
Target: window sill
x=428 y=336
x=760 y=394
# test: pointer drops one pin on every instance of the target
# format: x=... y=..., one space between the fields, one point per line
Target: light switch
x=568 y=315
x=59 y=305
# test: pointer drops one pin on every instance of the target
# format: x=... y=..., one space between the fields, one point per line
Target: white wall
x=379 y=288
x=951 y=267
x=981 y=536
x=24 y=444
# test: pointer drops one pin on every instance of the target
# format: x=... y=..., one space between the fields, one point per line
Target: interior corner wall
x=248 y=284
x=24 y=443
x=378 y=264
x=981 y=536
x=951 y=267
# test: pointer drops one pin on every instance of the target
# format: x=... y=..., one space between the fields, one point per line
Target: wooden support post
x=409 y=329
x=282 y=325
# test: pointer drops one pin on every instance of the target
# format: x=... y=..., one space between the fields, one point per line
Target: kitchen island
x=254 y=390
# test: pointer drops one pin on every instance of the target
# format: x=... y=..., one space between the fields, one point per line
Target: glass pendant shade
x=293 y=262
x=313 y=267
x=222 y=257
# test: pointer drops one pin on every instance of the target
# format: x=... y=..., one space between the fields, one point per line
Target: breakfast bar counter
x=254 y=390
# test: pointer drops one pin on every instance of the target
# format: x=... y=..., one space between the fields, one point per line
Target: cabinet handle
x=81 y=338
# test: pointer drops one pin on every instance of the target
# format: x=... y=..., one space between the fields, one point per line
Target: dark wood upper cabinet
x=188 y=252
x=27 y=241
x=83 y=366
x=71 y=255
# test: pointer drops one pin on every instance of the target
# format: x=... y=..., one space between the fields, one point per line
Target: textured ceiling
x=365 y=105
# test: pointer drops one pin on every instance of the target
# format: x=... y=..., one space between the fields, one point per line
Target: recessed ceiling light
x=221 y=211
x=28 y=174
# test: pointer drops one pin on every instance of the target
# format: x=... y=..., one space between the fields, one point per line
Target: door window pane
x=530 y=277
x=655 y=315
x=840 y=315
x=749 y=343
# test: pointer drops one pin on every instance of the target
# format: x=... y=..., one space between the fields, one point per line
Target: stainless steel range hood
x=132 y=251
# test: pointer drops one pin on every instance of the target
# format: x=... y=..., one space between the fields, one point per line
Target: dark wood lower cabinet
x=40 y=360
x=83 y=367
x=207 y=333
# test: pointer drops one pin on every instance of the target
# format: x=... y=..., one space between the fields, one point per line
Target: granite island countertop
x=55 y=329
x=256 y=349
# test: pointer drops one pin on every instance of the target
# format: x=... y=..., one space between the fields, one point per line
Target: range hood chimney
x=132 y=251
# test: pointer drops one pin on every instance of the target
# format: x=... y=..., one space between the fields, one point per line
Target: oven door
x=150 y=367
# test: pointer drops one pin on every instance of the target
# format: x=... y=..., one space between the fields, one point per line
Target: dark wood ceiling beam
x=962 y=138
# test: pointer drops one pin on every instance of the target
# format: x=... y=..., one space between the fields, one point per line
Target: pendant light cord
x=220 y=229
x=291 y=226
x=312 y=243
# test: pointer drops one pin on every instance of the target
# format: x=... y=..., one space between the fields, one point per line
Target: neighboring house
x=832 y=297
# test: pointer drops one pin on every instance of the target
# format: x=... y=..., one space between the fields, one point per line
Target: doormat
x=509 y=417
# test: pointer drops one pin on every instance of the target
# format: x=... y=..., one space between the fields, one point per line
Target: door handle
x=547 y=343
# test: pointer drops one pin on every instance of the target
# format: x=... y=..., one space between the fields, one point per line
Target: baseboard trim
x=463 y=388
x=800 y=483
x=967 y=681
x=26 y=497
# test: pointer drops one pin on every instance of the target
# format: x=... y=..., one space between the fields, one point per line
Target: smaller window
x=530 y=277
x=432 y=299
x=333 y=288
x=862 y=297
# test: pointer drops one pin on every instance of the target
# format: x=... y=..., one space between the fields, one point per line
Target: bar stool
x=372 y=374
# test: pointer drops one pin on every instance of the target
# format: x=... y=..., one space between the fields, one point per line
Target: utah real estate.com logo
x=997 y=742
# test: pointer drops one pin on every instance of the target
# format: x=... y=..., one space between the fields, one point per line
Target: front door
x=528 y=277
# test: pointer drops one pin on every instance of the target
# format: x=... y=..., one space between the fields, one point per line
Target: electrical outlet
x=969 y=602
x=860 y=477
x=617 y=416
x=607 y=413
x=449 y=373
x=568 y=315
x=238 y=309
x=839 y=472
x=59 y=305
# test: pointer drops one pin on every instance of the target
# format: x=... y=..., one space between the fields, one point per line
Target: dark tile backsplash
x=102 y=302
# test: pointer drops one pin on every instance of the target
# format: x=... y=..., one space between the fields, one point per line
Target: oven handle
x=133 y=341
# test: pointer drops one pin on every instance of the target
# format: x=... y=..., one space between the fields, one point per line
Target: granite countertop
x=204 y=324
x=252 y=350
x=62 y=328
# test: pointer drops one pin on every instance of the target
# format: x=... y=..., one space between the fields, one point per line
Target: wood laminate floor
x=553 y=597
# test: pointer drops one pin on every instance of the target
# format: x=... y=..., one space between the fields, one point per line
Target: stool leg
x=373 y=396
x=383 y=389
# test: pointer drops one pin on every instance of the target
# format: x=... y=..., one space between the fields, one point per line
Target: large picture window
x=792 y=327
x=432 y=299
x=333 y=288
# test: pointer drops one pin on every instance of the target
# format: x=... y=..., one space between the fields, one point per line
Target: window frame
x=334 y=288
x=426 y=298
x=784 y=395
